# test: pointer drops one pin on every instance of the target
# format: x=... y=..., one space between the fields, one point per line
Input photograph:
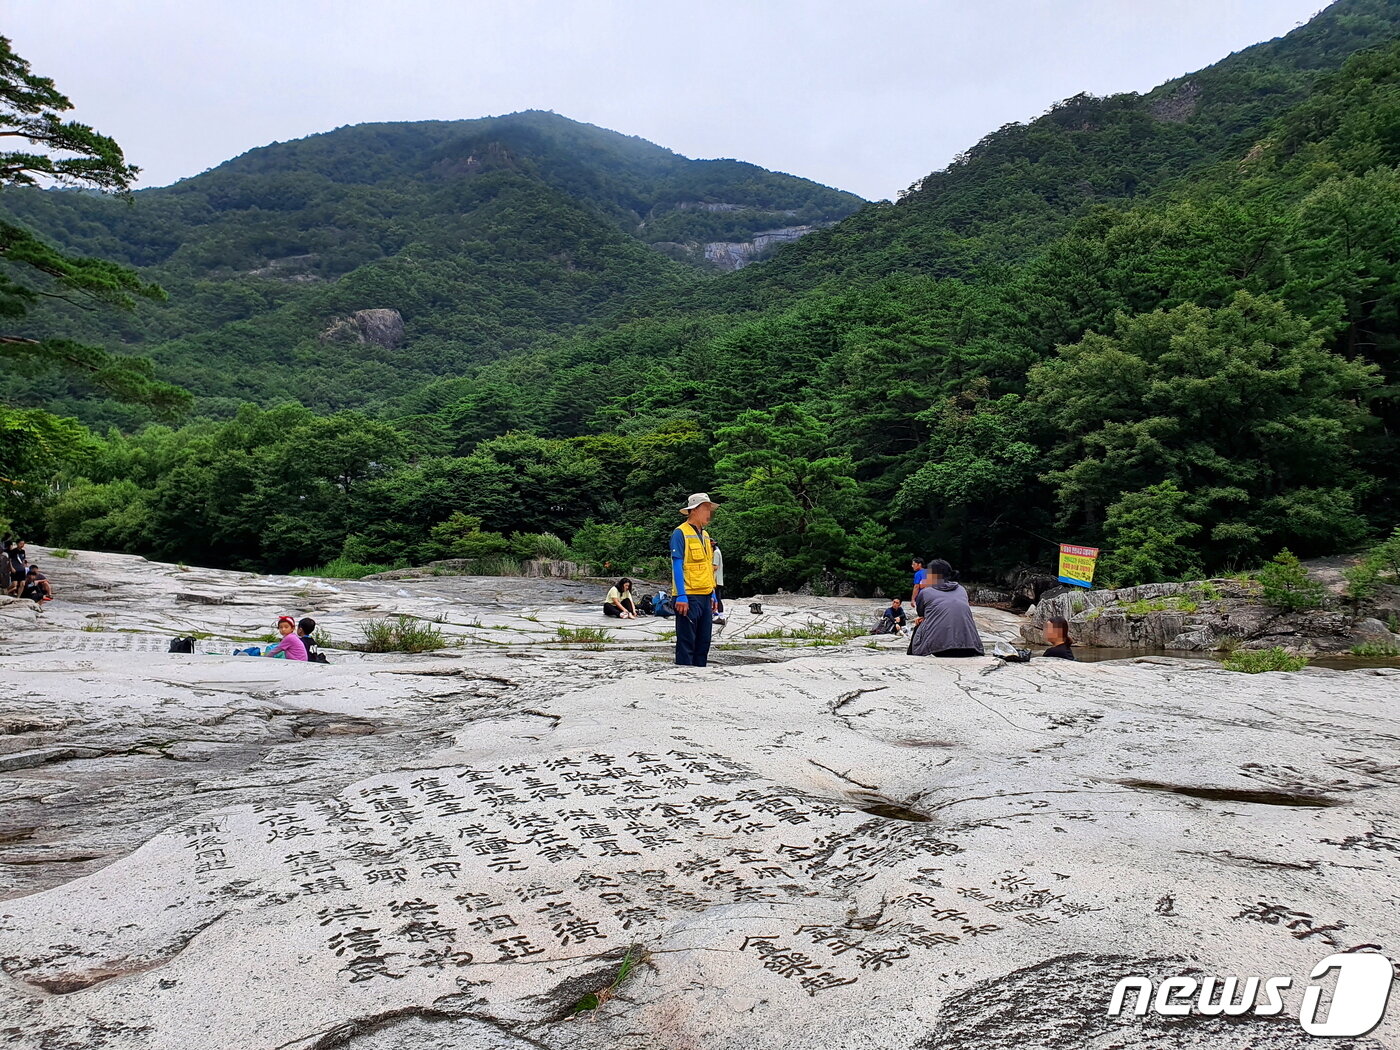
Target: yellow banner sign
x=1077 y=564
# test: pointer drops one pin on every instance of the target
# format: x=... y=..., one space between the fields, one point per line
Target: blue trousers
x=693 y=632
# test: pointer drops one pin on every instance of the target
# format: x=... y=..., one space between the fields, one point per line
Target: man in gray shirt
x=945 y=626
x=719 y=584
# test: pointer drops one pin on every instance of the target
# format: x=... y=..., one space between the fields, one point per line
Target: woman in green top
x=620 y=602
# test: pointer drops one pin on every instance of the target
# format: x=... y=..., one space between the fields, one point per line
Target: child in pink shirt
x=291 y=647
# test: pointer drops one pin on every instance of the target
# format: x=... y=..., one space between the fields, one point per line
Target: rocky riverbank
x=817 y=842
x=1209 y=616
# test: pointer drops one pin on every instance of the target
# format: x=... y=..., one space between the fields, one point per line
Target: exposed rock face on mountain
x=382 y=327
x=735 y=255
x=1201 y=616
x=798 y=847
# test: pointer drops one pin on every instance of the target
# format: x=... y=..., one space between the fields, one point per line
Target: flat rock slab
x=845 y=847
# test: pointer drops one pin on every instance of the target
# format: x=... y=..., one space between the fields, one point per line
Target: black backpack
x=647 y=606
x=182 y=645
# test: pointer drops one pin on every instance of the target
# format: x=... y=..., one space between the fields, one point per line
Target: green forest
x=1164 y=324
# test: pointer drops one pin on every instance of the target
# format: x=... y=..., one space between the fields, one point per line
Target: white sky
x=865 y=95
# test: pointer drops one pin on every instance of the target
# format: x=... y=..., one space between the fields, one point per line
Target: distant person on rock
x=291 y=647
x=945 y=626
x=693 y=581
x=720 y=615
x=893 y=619
x=920 y=577
x=7 y=581
x=36 y=586
x=1057 y=634
x=621 y=602
x=19 y=565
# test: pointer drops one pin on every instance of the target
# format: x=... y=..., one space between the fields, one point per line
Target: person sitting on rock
x=1057 y=634
x=290 y=647
x=36 y=586
x=306 y=627
x=620 y=601
x=893 y=619
x=7 y=580
x=945 y=626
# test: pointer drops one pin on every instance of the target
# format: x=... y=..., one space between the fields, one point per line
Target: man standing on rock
x=693 y=581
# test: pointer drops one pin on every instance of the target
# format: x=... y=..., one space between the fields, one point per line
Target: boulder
x=988 y=596
x=1027 y=585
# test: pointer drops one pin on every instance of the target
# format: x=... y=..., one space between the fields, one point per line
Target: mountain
x=484 y=235
x=1167 y=326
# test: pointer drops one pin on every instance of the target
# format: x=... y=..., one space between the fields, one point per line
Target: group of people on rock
x=297 y=643
x=18 y=578
x=943 y=624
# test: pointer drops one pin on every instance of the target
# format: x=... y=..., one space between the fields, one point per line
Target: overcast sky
x=865 y=95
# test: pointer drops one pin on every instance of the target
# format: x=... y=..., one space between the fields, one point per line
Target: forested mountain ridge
x=1191 y=376
x=1019 y=186
x=483 y=234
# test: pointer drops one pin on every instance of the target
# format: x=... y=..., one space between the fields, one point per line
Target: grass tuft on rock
x=1257 y=661
x=402 y=634
x=815 y=633
x=1375 y=649
x=593 y=1000
x=588 y=637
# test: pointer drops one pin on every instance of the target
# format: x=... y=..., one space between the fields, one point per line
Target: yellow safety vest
x=699 y=563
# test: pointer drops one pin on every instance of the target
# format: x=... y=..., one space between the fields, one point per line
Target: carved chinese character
x=342 y=914
x=413 y=909
x=516 y=948
x=368 y=967
x=492 y=923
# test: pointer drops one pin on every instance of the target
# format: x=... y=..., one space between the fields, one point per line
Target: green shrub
x=617 y=549
x=461 y=536
x=1256 y=661
x=1363 y=580
x=402 y=634
x=1387 y=553
x=60 y=552
x=1146 y=605
x=1286 y=585
x=497 y=565
x=1375 y=649
x=540 y=545
x=1208 y=592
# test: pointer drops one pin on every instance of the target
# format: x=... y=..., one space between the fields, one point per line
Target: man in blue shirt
x=920 y=578
x=693 y=581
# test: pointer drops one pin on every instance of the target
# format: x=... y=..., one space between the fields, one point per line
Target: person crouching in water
x=620 y=601
x=945 y=626
x=1057 y=634
x=291 y=646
